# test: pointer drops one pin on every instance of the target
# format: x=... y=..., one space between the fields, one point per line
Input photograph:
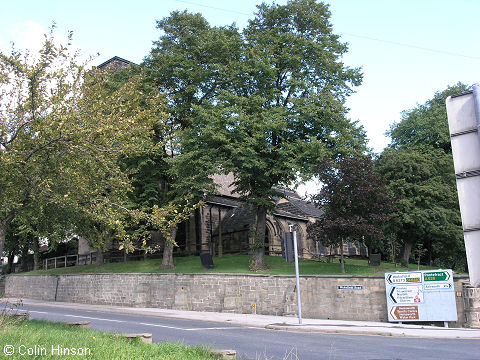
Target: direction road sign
x=404 y=278
x=427 y=295
x=404 y=313
x=441 y=286
x=407 y=294
x=436 y=276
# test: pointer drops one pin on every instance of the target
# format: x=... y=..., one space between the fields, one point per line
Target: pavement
x=277 y=322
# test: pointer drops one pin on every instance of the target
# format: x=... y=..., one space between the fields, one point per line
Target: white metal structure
x=464 y=121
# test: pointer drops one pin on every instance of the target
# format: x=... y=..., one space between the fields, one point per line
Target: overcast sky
x=408 y=49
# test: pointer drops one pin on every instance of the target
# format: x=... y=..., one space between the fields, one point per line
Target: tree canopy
x=62 y=131
x=418 y=167
x=426 y=124
x=274 y=105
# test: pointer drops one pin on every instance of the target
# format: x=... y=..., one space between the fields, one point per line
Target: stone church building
x=223 y=224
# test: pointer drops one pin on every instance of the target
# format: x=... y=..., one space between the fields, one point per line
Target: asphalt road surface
x=262 y=344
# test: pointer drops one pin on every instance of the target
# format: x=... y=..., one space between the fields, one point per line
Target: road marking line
x=188 y=329
x=94 y=318
x=146 y=324
x=215 y=328
x=162 y=326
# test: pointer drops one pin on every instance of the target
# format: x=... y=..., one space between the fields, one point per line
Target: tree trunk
x=258 y=241
x=167 y=261
x=23 y=261
x=36 y=253
x=10 y=260
x=99 y=259
x=342 y=259
x=3 y=231
x=406 y=250
x=394 y=255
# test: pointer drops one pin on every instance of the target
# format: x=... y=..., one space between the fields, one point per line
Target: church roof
x=116 y=62
x=290 y=204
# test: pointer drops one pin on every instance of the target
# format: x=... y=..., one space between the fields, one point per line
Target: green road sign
x=436 y=276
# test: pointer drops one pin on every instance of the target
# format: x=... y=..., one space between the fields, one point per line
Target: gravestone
x=375 y=259
x=207 y=261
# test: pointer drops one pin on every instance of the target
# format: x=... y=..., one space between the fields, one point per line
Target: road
x=262 y=344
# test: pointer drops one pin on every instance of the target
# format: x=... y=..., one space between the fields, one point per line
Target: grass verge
x=45 y=340
x=233 y=264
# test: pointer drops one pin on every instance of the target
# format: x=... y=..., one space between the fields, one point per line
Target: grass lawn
x=235 y=264
x=45 y=340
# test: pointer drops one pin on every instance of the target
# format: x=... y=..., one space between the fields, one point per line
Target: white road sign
x=412 y=294
x=404 y=278
x=444 y=286
x=421 y=296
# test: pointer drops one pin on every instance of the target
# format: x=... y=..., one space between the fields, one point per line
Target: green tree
x=426 y=125
x=284 y=108
x=62 y=131
x=428 y=211
x=190 y=64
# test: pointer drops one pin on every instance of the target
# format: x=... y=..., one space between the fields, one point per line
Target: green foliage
x=426 y=210
x=62 y=131
x=426 y=125
x=286 y=108
x=265 y=104
x=92 y=344
x=419 y=168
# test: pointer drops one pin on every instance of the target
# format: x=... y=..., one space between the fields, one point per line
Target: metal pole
x=297 y=276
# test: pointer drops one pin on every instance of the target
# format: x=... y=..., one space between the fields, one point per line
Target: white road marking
x=93 y=318
x=146 y=324
x=194 y=329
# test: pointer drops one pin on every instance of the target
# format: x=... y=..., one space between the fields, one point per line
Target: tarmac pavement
x=275 y=322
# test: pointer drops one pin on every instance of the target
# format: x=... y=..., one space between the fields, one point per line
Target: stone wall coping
x=457 y=277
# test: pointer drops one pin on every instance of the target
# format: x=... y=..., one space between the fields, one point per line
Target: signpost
x=297 y=277
x=291 y=254
x=421 y=296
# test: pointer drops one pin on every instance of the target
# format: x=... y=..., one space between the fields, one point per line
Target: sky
x=407 y=49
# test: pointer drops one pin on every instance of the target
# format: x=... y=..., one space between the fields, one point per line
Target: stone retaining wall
x=323 y=297
x=471 y=297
